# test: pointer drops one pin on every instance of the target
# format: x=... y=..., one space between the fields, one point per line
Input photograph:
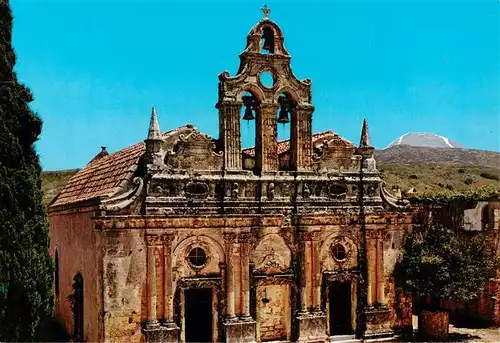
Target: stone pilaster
x=266 y=149
x=316 y=277
x=378 y=323
x=229 y=239
x=171 y=332
x=300 y=140
x=311 y=325
x=380 y=272
x=153 y=331
x=230 y=134
x=371 y=265
x=245 y=275
x=153 y=241
x=303 y=272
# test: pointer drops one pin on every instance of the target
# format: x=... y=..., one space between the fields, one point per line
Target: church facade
x=186 y=238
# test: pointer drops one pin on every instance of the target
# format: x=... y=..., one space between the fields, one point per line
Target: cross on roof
x=265 y=10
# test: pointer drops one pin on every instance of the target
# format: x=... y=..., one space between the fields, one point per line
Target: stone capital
x=229 y=237
x=167 y=239
x=153 y=240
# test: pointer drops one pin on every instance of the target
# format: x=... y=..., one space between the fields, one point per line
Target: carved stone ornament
x=154 y=240
x=270 y=191
x=235 y=191
x=229 y=237
x=118 y=202
x=196 y=190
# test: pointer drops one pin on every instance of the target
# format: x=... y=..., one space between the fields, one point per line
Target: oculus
x=197 y=257
x=339 y=252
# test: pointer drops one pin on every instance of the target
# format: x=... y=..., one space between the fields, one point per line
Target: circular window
x=197 y=257
x=339 y=252
x=266 y=79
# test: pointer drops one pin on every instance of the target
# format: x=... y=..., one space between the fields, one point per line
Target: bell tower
x=265 y=56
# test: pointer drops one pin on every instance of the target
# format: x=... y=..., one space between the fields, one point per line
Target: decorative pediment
x=333 y=153
x=194 y=151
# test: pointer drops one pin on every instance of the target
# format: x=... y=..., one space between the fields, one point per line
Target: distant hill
x=405 y=154
x=54 y=181
x=425 y=139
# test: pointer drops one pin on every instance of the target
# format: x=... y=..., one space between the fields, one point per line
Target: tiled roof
x=103 y=175
x=284 y=146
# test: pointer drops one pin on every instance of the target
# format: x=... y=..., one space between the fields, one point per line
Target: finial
x=154 y=126
x=365 y=136
x=265 y=10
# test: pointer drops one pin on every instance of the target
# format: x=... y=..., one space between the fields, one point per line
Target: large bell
x=268 y=37
x=283 y=116
x=248 y=114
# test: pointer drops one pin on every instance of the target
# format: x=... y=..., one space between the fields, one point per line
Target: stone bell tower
x=265 y=53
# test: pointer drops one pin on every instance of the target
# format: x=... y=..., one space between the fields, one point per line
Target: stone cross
x=265 y=10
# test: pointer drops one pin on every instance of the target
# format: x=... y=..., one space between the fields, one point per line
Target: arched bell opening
x=284 y=126
x=248 y=116
x=267 y=41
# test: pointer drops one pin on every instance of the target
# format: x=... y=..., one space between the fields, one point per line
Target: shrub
x=490 y=176
x=461 y=171
x=438 y=264
x=468 y=181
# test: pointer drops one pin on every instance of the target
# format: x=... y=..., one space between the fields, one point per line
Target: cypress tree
x=25 y=265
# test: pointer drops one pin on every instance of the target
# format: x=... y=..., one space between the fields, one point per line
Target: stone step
x=344 y=339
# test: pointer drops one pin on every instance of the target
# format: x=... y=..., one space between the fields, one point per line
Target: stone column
x=303 y=272
x=152 y=242
x=168 y=302
x=245 y=275
x=266 y=148
x=371 y=261
x=230 y=134
x=229 y=239
x=316 y=245
x=300 y=140
x=380 y=271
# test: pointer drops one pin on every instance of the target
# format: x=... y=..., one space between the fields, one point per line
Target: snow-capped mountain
x=425 y=139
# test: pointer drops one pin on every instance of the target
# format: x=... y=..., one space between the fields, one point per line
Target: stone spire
x=154 y=127
x=154 y=142
x=365 y=136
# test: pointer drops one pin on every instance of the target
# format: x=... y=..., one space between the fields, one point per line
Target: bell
x=268 y=37
x=248 y=114
x=283 y=116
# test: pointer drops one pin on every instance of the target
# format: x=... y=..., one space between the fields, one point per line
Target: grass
x=53 y=182
x=426 y=178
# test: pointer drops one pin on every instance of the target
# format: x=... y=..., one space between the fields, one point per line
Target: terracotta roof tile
x=284 y=146
x=102 y=175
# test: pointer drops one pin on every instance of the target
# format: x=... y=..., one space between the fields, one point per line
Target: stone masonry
x=184 y=237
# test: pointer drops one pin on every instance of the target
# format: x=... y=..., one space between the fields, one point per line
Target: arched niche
x=183 y=253
x=330 y=259
x=271 y=255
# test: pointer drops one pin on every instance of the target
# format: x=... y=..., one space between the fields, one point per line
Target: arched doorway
x=77 y=304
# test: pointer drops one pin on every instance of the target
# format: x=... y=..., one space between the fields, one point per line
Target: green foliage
x=445 y=196
x=25 y=265
x=439 y=264
x=490 y=176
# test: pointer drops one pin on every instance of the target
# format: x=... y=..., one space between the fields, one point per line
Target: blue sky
x=97 y=67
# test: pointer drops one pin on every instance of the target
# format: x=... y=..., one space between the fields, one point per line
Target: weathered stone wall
x=124 y=292
x=73 y=236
